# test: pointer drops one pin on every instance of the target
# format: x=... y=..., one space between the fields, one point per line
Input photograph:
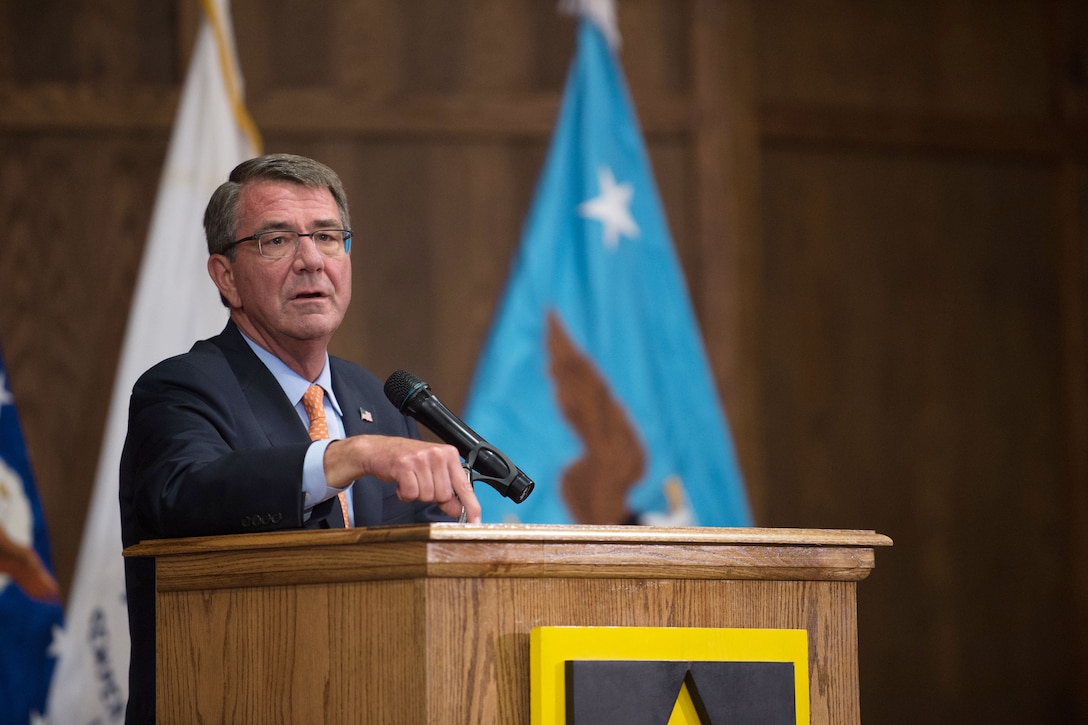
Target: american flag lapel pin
x=365 y=415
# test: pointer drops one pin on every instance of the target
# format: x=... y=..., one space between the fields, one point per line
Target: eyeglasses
x=283 y=243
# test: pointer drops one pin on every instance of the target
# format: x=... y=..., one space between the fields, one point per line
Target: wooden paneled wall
x=923 y=351
x=881 y=208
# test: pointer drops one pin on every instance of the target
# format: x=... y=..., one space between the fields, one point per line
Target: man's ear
x=221 y=270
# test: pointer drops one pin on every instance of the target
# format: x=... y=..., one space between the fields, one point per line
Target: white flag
x=174 y=304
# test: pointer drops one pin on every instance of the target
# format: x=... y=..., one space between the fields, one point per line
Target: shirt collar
x=293 y=384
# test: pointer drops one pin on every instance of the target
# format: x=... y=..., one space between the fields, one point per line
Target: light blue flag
x=26 y=625
x=594 y=380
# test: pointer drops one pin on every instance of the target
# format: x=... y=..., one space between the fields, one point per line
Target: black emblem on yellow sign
x=626 y=692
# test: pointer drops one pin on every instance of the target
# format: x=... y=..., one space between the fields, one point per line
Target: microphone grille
x=399 y=387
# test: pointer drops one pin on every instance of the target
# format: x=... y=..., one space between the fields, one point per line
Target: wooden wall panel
x=911 y=384
x=73 y=41
x=725 y=278
x=916 y=338
x=1072 y=212
x=965 y=57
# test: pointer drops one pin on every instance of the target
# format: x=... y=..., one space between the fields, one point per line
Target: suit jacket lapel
x=271 y=408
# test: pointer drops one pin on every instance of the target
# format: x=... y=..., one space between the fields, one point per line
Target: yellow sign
x=557 y=652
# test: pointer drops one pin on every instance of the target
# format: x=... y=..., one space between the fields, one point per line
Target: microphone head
x=401 y=386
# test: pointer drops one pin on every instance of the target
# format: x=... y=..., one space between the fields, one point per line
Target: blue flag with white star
x=28 y=606
x=594 y=379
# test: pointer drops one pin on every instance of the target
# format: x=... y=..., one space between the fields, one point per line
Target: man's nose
x=307 y=253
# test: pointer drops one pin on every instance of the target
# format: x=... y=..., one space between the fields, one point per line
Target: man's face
x=301 y=298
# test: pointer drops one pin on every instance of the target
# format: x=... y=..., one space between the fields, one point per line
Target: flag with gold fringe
x=174 y=304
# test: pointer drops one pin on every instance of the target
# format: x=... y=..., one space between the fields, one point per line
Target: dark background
x=880 y=206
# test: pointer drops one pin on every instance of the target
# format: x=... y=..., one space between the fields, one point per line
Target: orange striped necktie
x=314 y=403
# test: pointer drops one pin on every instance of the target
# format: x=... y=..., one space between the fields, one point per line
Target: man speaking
x=259 y=428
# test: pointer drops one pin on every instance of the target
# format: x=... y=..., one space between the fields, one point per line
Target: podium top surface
x=513 y=534
x=436 y=551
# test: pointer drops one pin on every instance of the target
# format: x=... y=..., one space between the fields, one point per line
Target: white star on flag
x=612 y=208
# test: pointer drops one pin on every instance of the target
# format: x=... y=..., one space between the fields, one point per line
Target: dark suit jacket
x=214 y=447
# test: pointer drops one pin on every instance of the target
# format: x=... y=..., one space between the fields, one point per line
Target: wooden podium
x=431 y=623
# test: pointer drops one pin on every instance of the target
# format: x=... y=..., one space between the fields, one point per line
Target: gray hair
x=221 y=215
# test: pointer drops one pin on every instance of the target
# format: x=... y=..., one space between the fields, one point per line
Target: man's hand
x=423 y=471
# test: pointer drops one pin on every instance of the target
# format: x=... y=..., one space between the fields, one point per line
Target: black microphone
x=413 y=397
